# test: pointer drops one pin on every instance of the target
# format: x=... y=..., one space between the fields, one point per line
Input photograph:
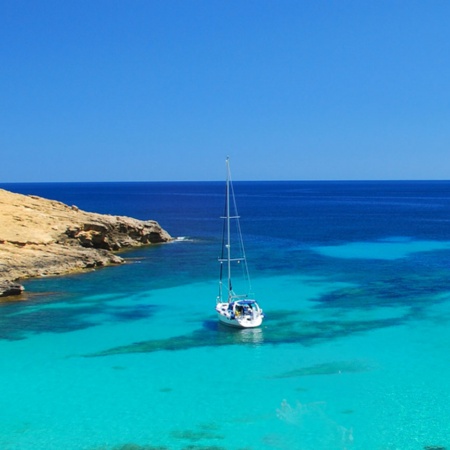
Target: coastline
x=42 y=237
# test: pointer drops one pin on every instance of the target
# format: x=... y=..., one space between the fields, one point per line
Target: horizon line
x=337 y=180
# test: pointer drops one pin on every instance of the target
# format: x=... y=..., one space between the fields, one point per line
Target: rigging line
x=241 y=240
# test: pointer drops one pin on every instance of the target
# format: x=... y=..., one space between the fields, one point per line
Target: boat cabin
x=243 y=308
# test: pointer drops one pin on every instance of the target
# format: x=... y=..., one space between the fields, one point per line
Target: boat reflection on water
x=254 y=336
x=237 y=336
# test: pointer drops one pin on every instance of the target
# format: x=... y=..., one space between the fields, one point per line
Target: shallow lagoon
x=352 y=354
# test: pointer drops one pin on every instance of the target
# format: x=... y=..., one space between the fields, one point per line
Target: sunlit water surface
x=353 y=353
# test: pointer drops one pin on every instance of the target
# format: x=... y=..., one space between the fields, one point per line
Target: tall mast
x=228 y=226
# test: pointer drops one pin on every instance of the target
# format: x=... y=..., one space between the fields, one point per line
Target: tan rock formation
x=45 y=237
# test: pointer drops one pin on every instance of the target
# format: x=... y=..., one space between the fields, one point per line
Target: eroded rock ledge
x=40 y=237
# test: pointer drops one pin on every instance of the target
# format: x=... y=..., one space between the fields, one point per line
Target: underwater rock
x=9 y=289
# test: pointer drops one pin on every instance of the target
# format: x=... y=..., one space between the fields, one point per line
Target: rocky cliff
x=40 y=237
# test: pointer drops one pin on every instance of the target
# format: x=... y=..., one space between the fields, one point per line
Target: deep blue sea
x=354 y=279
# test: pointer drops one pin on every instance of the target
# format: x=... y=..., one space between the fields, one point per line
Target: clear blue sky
x=143 y=90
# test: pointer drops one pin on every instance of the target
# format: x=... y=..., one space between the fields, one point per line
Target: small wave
x=183 y=239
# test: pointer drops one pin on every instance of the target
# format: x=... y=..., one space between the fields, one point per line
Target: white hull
x=227 y=317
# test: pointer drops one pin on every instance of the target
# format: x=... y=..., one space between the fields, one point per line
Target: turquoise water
x=353 y=353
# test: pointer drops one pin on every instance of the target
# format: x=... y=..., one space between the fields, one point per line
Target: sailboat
x=236 y=310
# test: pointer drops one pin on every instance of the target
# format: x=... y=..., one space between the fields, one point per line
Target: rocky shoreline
x=41 y=237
